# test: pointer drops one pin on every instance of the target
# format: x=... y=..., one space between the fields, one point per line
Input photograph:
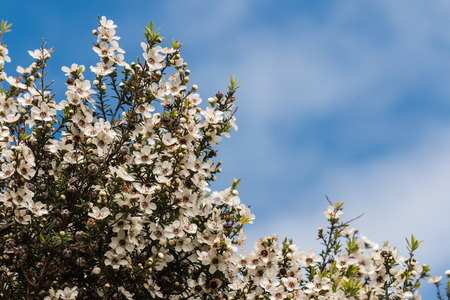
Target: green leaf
x=413 y=244
x=5 y=26
x=233 y=84
x=235 y=184
x=41 y=237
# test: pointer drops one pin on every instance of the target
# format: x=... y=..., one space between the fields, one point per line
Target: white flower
x=25 y=100
x=107 y=23
x=194 y=99
x=290 y=283
x=212 y=116
x=53 y=295
x=21 y=216
x=144 y=188
x=146 y=205
x=73 y=68
x=26 y=170
x=168 y=140
x=332 y=214
x=73 y=98
x=126 y=293
x=115 y=260
x=38 y=54
x=4 y=55
x=154 y=60
x=121 y=173
x=108 y=34
x=144 y=156
x=43 y=113
x=308 y=259
x=16 y=82
x=103 y=69
x=163 y=169
x=435 y=279
x=24 y=71
x=82 y=88
x=99 y=214
x=96 y=270
x=319 y=284
x=7 y=170
x=103 y=50
x=68 y=293
x=174 y=230
x=145 y=109
x=153 y=288
x=120 y=243
x=39 y=209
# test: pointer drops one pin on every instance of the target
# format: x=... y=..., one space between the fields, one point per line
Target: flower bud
x=96 y=82
x=92 y=168
x=79 y=235
x=65 y=213
x=195 y=87
x=94 y=32
x=67 y=253
x=81 y=262
x=90 y=222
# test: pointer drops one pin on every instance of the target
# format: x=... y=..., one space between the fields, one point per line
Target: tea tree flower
x=99 y=214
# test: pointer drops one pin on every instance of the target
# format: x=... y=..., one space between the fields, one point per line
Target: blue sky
x=348 y=99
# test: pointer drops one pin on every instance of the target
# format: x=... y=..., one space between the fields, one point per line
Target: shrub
x=106 y=195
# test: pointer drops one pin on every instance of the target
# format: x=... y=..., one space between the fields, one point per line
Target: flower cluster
x=106 y=194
